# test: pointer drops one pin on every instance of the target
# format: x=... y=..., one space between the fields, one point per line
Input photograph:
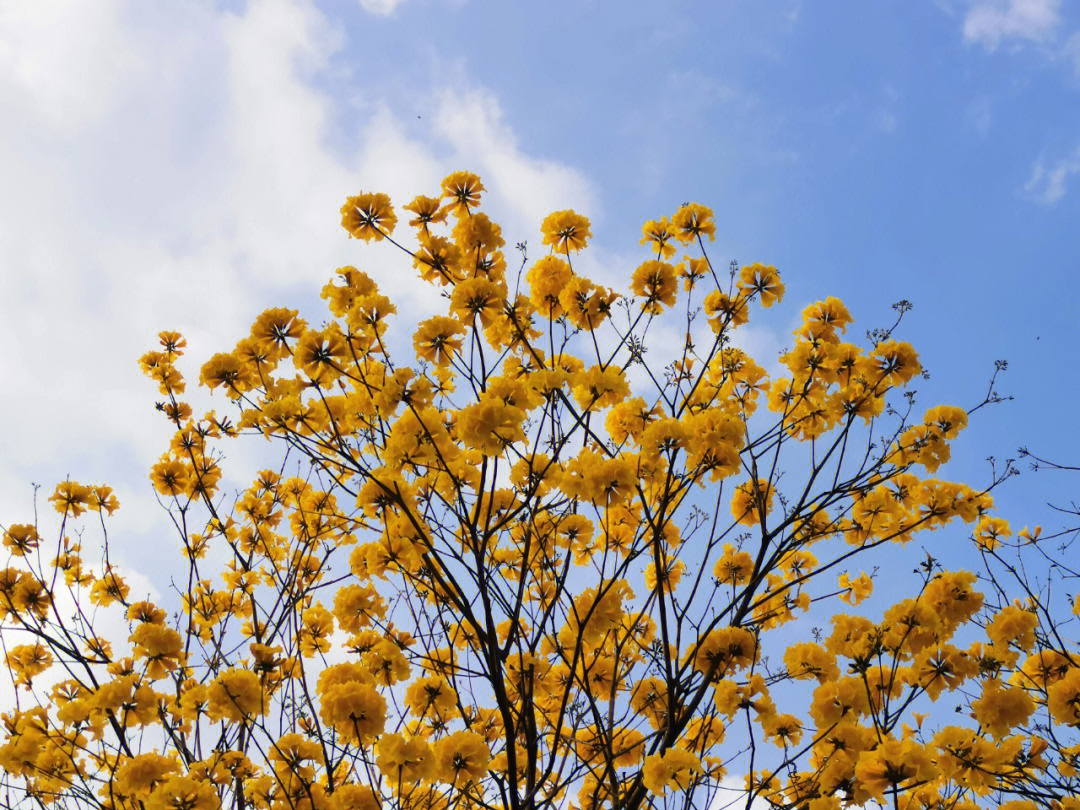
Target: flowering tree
x=531 y=566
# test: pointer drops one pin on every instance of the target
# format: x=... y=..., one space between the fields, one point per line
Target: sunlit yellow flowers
x=655 y=282
x=674 y=769
x=368 y=216
x=462 y=191
x=527 y=541
x=566 y=231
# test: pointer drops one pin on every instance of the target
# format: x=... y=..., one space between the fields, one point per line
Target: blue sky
x=181 y=166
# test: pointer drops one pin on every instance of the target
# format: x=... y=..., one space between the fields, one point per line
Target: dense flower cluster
x=542 y=562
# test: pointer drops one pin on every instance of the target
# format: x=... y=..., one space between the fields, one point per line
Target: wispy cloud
x=383 y=8
x=471 y=121
x=980 y=115
x=1071 y=52
x=1048 y=183
x=197 y=186
x=64 y=62
x=992 y=22
x=887 y=118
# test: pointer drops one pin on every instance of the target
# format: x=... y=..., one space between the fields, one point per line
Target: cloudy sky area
x=181 y=165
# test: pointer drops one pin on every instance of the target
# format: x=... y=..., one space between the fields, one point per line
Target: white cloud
x=175 y=170
x=990 y=22
x=732 y=795
x=472 y=122
x=383 y=8
x=1048 y=184
x=63 y=60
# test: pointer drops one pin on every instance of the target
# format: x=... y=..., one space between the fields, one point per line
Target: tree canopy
x=573 y=547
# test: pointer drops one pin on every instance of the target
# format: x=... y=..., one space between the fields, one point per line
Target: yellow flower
x=693 y=221
x=431 y=696
x=601 y=481
x=27 y=661
x=783 y=729
x=990 y=531
x=655 y=281
x=1001 y=709
x=893 y=765
x=664 y=437
x=969 y=759
x=478 y=299
x=428 y=211
x=723 y=310
x=353 y=797
x=952 y=597
x=762 y=280
x=675 y=768
x=734 y=567
x=477 y=235
x=101 y=497
x=650 y=698
x=948 y=419
x=461 y=757
x=368 y=216
x=140 y=774
x=355 y=710
x=341 y=297
x=321 y=354
x=387 y=663
x=660 y=236
x=586 y=305
x=627 y=747
x=723 y=650
x=182 y=791
x=437 y=339
x=109 y=588
x=895 y=362
x=438 y=260
x=809 y=660
x=670 y=574
x=235 y=696
x=822 y=318
x=161 y=646
x=293 y=749
x=146 y=612
x=600 y=388
x=274 y=328
x=837 y=700
x=171 y=477
x=355 y=605
x=546 y=279
x=463 y=190
x=855 y=590
x=941 y=667
x=317 y=623
x=1013 y=625
x=490 y=425
x=1063 y=699
x=1043 y=668
x=628 y=419
x=751 y=500
x=70 y=498
x=566 y=231
x=21 y=538
x=404 y=761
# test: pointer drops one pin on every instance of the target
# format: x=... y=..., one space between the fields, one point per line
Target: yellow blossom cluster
x=541 y=561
